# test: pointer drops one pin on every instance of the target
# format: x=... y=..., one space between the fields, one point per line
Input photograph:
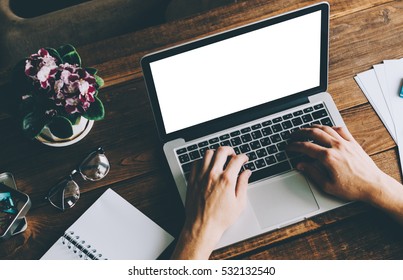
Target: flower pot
x=80 y=130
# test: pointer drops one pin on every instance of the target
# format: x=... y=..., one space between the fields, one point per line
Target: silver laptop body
x=248 y=88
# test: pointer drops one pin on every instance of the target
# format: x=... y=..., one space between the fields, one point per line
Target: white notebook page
x=117 y=230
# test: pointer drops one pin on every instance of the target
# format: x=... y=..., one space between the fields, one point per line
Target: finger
x=329 y=130
x=310 y=149
x=235 y=164
x=242 y=185
x=196 y=165
x=220 y=158
x=316 y=175
x=344 y=132
x=207 y=161
x=313 y=133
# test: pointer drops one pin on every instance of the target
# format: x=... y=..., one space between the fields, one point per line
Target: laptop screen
x=239 y=72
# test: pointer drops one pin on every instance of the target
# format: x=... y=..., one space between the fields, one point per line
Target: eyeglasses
x=66 y=192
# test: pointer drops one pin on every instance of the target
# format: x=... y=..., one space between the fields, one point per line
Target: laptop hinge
x=235 y=120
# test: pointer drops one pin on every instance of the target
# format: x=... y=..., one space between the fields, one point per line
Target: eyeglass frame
x=56 y=186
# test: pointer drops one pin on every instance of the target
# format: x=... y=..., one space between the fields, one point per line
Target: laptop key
x=275 y=138
x=281 y=156
x=245 y=130
x=285 y=135
x=270 y=160
x=281 y=146
x=326 y=121
x=214 y=140
x=319 y=114
x=236 y=141
x=203 y=144
x=225 y=143
x=267 y=131
x=250 y=165
x=277 y=120
x=307 y=118
x=181 y=151
x=235 y=133
x=255 y=145
x=270 y=171
x=287 y=124
x=224 y=137
x=194 y=155
x=319 y=106
x=237 y=151
x=252 y=156
x=296 y=121
x=245 y=148
x=260 y=163
x=184 y=158
x=308 y=110
x=265 y=141
x=187 y=167
x=256 y=134
x=287 y=117
x=246 y=138
x=256 y=126
x=214 y=146
x=277 y=128
x=297 y=113
x=192 y=147
x=272 y=149
x=261 y=153
x=267 y=123
x=203 y=151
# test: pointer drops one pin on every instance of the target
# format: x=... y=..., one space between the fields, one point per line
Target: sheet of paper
x=116 y=229
x=372 y=90
x=394 y=76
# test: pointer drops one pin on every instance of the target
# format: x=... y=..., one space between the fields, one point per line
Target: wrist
x=196 y=241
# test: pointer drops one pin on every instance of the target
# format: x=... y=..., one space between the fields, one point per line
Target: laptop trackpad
x=280 y=200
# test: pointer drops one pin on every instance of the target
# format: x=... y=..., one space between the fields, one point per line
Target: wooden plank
x=370 y=235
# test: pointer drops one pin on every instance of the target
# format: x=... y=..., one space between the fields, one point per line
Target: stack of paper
x=382 y=85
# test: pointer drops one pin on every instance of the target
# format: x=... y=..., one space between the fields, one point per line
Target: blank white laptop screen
x=238 y=73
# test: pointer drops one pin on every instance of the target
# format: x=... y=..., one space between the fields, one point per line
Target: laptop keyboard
x=264 y=143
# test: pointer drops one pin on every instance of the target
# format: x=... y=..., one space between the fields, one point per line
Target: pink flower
x=41 y=67
x=75 y=89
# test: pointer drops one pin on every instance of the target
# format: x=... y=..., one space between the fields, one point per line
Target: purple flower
x=41 y=67
x=75 y=89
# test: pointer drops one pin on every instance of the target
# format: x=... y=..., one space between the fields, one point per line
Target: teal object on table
x=401 y=92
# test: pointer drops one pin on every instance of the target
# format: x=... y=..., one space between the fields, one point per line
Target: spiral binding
x=79 y=247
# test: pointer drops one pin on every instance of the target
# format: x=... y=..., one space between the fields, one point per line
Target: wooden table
x=363 y=33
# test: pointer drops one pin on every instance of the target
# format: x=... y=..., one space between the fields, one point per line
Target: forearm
x=388 y=196
x=195 y=242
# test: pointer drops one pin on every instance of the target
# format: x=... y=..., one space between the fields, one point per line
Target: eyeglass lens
x=95 y=166
x=64 y=194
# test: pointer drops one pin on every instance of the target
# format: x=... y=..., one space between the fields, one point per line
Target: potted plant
x=57 y=98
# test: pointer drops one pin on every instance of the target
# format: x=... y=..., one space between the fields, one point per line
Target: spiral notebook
x=111 y=228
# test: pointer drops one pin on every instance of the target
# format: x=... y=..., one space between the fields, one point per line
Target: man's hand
x=215 y=198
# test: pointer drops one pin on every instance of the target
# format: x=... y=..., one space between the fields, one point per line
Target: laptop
x=248 y=88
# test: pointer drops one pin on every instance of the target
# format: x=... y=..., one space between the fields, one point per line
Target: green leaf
x=100 y=82
x=91 y=70
x=32 y=124
x=54 y=53
x=63 y=50
x=61 y=127
x=74 y=118
x=72 y=58
x=96 y=111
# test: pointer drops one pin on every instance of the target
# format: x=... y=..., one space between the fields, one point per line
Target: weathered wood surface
x=362 y=32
